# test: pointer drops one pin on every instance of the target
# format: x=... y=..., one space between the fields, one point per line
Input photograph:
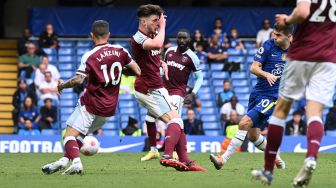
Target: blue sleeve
x=263 y=52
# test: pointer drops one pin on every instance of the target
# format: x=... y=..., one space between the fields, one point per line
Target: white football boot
x=305 y=174
x=55 y=166
x=75 y=168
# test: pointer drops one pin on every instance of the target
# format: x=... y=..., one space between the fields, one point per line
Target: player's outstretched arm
x=299 y=14
x=77 y=79
x=256 y=69
x=157 y=42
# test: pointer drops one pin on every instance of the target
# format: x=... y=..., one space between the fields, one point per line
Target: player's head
x=149 y=16
x=282 y=34
x=100 y=30
x=183 y=39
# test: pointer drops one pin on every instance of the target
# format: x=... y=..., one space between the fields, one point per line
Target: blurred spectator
x=230 y=130
x=218 y=22
x=216 y=53
x=296 y=126
x=48 y=38
x=46 y=67
x=29 y=62
x=23 y=41
x=29 y=129
x=330 y=124
x=132 y=128
x=264 y=33
x=201 y=54
x=127 y=84
x=229 y=106
x=48 y=114
x=192 y=126
x=198 y=38
x=225 y=95
x=222 y=38
x=31 y=113
x=19 y=96
x=48 y=88
x=235 y=42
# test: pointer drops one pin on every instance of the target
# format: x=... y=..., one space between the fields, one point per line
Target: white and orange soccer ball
x=90 y=146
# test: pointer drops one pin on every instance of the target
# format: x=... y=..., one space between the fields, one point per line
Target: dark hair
x=47 y=99
x=148 y=10
x=226 y=81
x=100 y=28
x=24 y=103
x=297 y=113
x=286 y=29
x=185 y=31
x=21 y=80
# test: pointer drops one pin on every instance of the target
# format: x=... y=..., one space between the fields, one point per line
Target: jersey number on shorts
x=332 y=11
x=114 y=80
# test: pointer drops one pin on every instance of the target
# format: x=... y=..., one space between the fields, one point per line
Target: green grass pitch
x=126 y=170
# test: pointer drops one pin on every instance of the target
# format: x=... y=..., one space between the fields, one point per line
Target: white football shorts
x=157 y=102
x=85 y=122
x=316 y=80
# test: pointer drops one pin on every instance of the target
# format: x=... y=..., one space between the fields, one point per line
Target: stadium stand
x=8 y=83
x=68 y=57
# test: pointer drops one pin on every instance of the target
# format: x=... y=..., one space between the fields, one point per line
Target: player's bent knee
x=149 y=118
x=245 y=123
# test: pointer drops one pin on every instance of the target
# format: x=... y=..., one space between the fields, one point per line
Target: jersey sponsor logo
x=108 y=53
x=155 y=52
x=278 y=69
x=174 y=64
x=299 y=148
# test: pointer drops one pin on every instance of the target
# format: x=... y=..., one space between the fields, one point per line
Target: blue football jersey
x=273 y=60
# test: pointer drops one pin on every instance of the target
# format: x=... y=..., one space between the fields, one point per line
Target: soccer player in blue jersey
x=268 y=65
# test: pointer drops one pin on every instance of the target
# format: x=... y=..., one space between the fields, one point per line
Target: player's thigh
x=177 y=103
x=80 y=119
x=157 y=102
x=261 y=111
x=321 y=86
x=97 y=123
x=294 y=79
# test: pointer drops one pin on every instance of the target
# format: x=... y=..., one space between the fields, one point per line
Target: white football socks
x=261 y=143
x=235 y=143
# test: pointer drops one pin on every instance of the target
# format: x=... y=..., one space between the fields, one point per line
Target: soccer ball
x=90 y=146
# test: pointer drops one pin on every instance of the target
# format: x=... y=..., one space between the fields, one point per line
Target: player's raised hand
x=281 y=19
x=162 y=20
x=165 y=69
x=271 y=79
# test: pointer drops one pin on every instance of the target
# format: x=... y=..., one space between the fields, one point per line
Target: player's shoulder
x=139 y=37
x=192 y=55
x=269 y=43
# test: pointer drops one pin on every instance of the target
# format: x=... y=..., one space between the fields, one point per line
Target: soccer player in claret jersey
x=102 y=66
x=181 y=62
x=149 y=88
x=268 y=65
x=310 y=69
